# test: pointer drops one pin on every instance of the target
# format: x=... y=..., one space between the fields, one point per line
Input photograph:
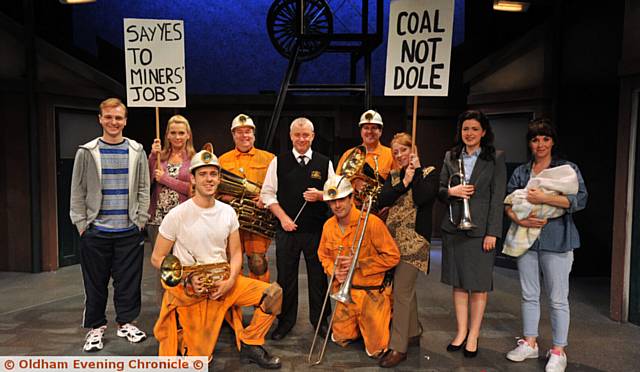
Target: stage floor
x=41 y=314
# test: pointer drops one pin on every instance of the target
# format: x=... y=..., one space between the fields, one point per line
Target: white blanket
x=557 y=180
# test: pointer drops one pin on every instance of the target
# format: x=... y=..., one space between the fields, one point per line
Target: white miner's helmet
x=242 y=120
x=336 y=187
x=370 y=117
x=203 y=158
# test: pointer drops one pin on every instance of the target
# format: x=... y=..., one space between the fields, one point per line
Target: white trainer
x=556 y=363
x=523 y=351
x=132 y=333
x=93 y=339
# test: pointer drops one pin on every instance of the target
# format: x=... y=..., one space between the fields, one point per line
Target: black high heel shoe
x=452 y=348
x=471 y=354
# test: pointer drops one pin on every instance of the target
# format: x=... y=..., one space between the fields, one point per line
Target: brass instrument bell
x=237 y=186
x=171 y=270
x=356 y=168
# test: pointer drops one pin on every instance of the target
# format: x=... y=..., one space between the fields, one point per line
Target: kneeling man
x=370 y=313
x=201 y=231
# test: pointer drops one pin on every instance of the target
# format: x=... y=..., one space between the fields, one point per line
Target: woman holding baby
x=551 y=254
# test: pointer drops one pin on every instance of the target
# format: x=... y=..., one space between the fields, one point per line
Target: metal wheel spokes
x=282 y=27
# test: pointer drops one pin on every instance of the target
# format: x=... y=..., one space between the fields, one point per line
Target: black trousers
x=288 y=248
x=104 y=255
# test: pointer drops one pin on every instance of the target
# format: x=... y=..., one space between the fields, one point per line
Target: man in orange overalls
x=251 y=163
x=370 y=130
x=201 y=231
x=369 y=313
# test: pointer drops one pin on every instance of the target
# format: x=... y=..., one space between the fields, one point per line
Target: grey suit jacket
x=486 y=204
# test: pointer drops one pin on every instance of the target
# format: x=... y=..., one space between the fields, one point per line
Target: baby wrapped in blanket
x=557 y=180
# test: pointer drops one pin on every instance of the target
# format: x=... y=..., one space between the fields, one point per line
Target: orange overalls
x=370 y=313
x=253 y=166
x=201 y=319
x=385 y=160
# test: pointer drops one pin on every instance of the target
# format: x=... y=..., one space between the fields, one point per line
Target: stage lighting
x=510 y=6
x=72 y=2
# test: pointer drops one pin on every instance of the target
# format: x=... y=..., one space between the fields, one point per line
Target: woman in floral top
x=409 y=191
x=171 y=182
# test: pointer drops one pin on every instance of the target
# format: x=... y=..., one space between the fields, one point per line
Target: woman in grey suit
x=468 y=255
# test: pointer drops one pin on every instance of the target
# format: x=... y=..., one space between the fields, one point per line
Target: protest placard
x=419 y=48
x=154 y=59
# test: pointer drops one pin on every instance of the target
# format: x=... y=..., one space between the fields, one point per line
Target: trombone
x=344 y=293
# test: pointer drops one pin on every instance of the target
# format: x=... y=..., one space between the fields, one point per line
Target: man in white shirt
x=292 y=190
x=203 y=230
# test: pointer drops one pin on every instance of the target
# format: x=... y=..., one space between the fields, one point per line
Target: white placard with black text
x=154 y=58
x=419 y=48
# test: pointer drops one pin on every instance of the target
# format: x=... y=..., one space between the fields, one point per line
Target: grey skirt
x=464 y=264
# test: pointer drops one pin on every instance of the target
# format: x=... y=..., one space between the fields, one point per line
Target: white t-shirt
x=200 y=233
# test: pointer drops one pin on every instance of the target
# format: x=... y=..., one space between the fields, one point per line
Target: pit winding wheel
x=282 y=27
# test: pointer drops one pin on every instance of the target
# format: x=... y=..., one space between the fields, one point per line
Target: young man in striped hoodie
x=109 y=203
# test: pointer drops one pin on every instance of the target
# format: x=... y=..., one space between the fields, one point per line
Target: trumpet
x=344 y=293
x=172 y=272
x=465 y=221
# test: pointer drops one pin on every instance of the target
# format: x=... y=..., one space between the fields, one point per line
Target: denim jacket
x=559 y=234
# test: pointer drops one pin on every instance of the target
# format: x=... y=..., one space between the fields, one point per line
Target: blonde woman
x=170 y=183
x=409 y=191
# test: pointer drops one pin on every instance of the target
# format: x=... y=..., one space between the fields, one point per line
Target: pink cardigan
x=181 y=185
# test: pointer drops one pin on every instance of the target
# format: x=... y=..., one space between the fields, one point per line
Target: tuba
x=356 y=169
x=252 y=218
x=465 y=220
x=172 y=272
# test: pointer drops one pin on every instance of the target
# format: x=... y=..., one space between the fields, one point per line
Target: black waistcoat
x=293 y=180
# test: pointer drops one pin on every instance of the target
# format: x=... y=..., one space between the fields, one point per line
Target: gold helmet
x=242 y=120
x=370 y=117
x=203 y=158
x=336 y=187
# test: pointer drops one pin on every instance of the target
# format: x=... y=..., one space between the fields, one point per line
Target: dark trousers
x=288 y=248
x=118 y=255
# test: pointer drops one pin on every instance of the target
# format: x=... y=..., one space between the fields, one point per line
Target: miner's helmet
x=370 y=117
x=204 y=158
x=336 y=187
x=242 y=120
